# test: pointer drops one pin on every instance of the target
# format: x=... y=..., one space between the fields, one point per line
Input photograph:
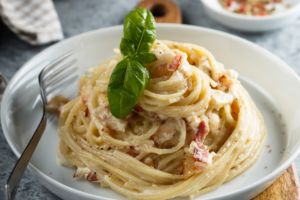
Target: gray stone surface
x=80 y=16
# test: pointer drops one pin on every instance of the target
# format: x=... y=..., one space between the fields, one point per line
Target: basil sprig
x=130 y=77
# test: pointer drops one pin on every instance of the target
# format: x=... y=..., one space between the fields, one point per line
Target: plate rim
x=55 y=183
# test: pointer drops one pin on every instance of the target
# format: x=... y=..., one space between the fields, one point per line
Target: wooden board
x=286 y=187
x=164 y=11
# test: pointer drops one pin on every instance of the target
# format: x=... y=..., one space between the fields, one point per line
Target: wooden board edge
x=285 y=187
x=296 y=178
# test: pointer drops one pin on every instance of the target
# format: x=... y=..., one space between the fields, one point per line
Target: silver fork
x=51 y=78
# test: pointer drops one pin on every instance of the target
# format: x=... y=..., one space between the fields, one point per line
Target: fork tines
x=54 y=76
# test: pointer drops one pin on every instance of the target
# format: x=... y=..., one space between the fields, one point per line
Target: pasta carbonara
x=193 y=129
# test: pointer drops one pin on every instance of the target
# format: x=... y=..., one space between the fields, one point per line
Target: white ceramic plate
x=279 y=19
x=270 y=82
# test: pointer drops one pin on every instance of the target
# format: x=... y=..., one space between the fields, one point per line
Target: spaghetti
x=194 y=128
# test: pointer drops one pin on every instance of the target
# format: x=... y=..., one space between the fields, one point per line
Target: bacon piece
x=190 y=166
x=76 y=175
x=86 y=90
x=196 y=129
x=91 y=177
x=224 y=83
x=242 y=9
x=259 y=5
x=172 y=66
x=202 y=131
x=81 y=171
x=175 y=64
x=201 y=155
x=229 y=2
x=263 y=14
x=200 y=158
x=86 y=114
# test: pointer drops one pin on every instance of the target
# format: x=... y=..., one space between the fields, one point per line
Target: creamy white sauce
x=219 y=99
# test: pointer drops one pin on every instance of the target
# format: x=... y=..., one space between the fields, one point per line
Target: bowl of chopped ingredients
x=253 y=15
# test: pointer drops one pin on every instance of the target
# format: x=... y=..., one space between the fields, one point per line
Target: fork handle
x=18 y=171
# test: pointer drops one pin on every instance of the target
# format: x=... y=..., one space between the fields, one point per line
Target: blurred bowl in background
x=252 y=23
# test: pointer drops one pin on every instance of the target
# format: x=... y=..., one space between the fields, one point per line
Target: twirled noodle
x=194 y=128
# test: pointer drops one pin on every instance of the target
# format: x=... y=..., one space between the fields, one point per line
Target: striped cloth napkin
x=34 y=21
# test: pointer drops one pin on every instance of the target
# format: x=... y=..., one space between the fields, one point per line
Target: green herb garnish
x=130 y=77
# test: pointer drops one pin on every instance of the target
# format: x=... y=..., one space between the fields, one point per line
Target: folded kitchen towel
x=34 y=21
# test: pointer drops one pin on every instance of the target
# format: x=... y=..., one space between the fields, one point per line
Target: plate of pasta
x=189 y=113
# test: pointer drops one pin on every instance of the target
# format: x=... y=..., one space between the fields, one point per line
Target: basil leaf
x=140 y=28
x=130 y=77
x=145 y=57
x=127 y=83
x=127 y=48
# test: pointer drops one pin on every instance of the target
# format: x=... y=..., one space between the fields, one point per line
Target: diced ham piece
x=86 y=90
x=200 y=153
x=88 y=174
x=202 y=131
x=201 y=158
x=92 y=177
x=86 y=114
x=224 y=83
x=191 y=167
x=175 y=64
x=172 y=66
x=81 y=171
x=194 y=126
